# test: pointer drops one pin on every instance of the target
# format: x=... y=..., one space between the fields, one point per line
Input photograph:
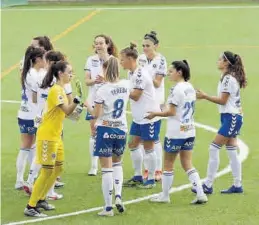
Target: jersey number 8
x=118 y=108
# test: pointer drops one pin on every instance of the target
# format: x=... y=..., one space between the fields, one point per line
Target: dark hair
x=152 y=37
x=31 y=55
x=131 y=51
x=53 y=71
x=236 y=67
x=54 y=56
x=182 y=66
x=112 y=49
x=44 y=42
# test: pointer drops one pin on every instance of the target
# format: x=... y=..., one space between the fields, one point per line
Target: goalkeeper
x=50 y=151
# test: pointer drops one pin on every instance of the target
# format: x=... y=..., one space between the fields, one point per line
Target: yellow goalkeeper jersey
x=53 y=116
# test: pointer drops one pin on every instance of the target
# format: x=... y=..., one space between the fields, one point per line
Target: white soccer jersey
x=114 y=97
x=181 y=126
x=157 y=66
x=230 y=85
x=94 y=66
x=28 y=109
x=140 y=79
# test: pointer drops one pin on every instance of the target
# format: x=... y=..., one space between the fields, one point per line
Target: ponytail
x=44 y=42
x=236 y=67
x=31 y=55
x=53 y=71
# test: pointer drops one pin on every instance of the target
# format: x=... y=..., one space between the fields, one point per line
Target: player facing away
x=50 y=150
x=156 y=65
x=180 y=133
x=40 y=97
x=33 y=64
x=233 y=78
x=142 y=100
x=111 y=131
x=104 y=48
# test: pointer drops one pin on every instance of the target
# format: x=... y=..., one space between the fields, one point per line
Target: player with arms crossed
x=104 y=48
x=50 y=150
x=156 y=65
x=33 y=64
x=233 y=78
x=180 y=133
x=111 y=128
x=142 y=100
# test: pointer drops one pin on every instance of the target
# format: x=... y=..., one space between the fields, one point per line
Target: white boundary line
x=134 y=8
x=243 y=154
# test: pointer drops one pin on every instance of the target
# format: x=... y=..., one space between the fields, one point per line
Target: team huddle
x=47 y=100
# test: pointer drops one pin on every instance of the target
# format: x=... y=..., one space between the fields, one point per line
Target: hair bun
x=153 y=33
x=133 y=45
x=185 y=62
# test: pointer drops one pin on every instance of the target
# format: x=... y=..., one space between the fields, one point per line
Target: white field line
x=135 y=8
x=243 y=154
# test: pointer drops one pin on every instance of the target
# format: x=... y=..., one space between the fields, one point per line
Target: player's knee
x=59 y=167
x=131 y=143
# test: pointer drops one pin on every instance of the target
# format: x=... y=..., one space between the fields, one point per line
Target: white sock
x=137 y=159
x=117 y=178
x=107 y=187
x=143 y=156
x=158 y=150
x=51 y=191
x=94 y=159
x=235 y=165
x=21 y=164
x=150 y=157
x=167 y=182
x=34 y=171
x=32 y=154
x=213 y=164
x=195 y=180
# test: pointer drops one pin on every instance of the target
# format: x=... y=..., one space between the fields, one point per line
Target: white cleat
x=200 y=200
x=55 y=196
x=92 y=172
x=106 y=213
x=33 y=212
x=59 y=184
x=119 y=205
x=160 y=198
x=19 y=185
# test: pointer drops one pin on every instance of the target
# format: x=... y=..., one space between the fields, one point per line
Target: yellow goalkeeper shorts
x=49 y=152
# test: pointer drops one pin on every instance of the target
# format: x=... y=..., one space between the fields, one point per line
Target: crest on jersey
x=95 y=63
x=154 y=66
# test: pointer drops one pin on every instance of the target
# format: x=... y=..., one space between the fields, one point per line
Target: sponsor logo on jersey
x=95 y=63
x=106 y=135
x=114 y=124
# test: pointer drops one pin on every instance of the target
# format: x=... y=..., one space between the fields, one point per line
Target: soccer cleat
x=106 y=213
x=133 y=182
x=206 y=189
x=92 y=172
x=158 y=176
x=149 y=184
x=200 y=200
x=160 y=198
x=59 y=184
x=27 y=188
x=43 y=204
x=19 y=185
x=55 y=196
x=233 y=190
x=145 y=175
x=119 y=205
x=33 y=212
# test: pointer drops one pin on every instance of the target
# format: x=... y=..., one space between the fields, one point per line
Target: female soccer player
x=104 y=48
x=233 y=78
x=142 y=100
x=180 y=134
x=40 y=97
x=156 y=65
x=111 y=127
x=50 y=151
x=33 y=64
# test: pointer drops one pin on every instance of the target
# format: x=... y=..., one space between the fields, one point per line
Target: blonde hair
x=111 y=67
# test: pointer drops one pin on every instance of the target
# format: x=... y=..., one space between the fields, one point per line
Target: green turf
x=197 y=35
